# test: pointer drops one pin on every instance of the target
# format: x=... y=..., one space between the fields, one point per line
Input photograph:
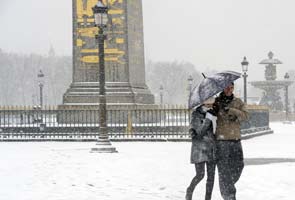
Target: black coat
x=203 y=142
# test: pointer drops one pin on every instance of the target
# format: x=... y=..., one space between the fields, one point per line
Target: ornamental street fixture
x=286 y=77
x=271 y=95
x=245 y=64
x=41 y=85
x=161 y=94
x=100 y=12
x=190 y=82
x=189 y=85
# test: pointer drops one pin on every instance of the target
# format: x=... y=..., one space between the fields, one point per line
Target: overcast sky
x=212 y=34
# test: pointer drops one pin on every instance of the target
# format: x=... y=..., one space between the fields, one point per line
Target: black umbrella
x=210 y=86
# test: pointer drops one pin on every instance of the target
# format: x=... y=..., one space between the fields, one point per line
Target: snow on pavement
x=141 y=170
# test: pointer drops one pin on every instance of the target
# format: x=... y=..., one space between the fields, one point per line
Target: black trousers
x=230 y=164
x=200 y=173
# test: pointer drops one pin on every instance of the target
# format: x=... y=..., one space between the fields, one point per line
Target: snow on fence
x=160 y=123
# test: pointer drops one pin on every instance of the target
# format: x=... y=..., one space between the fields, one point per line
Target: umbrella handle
x=204 y=75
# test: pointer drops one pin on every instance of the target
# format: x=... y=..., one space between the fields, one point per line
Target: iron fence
x=161 y=123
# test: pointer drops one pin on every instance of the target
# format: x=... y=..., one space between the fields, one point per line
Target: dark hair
x=232 y=83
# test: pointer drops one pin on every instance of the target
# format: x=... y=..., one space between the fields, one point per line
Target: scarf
x=225 y=100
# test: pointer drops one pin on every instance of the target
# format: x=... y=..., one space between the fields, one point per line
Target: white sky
x=209 y=33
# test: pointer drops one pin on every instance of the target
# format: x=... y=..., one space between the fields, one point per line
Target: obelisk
x=124 y=56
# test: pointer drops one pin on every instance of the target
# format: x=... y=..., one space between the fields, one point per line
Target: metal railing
x=159 y=123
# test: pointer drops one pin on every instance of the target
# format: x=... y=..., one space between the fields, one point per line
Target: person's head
x=228 y=91
x=209 y=102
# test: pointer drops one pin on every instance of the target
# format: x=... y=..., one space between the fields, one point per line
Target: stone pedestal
x=117 y=93
x=116 y=114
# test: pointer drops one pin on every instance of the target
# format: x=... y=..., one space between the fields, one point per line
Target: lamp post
x=190 y=83
x=161 y=94
x=245 y=64
x=189 y=86
x=286 y=77
x=41 y=85
x=100 y=12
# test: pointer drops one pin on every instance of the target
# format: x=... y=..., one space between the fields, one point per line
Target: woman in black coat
x=203 y=149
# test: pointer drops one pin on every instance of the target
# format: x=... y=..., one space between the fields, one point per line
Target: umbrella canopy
x=211 y=86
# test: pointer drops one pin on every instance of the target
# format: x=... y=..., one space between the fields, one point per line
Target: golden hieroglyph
x=85 y=31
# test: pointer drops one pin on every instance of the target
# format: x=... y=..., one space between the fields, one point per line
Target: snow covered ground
x=141 y=170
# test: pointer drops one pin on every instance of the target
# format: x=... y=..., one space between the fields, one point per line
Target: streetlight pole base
x=103 y=146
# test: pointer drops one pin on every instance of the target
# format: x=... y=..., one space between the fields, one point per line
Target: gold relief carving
x=120 y=40
x=91 y=20
x=87 y=32
x=112 y=59
x=90 y=59
x=113 y=51
x=79 y=42
x=87 y=9
x=107 y=51
x=95 y=59
x=112 y=2
x=89 y=50
x=85 y=20
x=115 y=32
x=116 y=12
x=118 y=21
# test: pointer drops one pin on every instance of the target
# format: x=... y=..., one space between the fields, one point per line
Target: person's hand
x=232 y=118
x=192 y=132
x=220 y=105
x=216 y=107
x=223 y=106
x=212 y=112
x=209 y=116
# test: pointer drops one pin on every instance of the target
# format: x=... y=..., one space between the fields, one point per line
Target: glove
x=232 y=118
x=209 y=116
x=225 y=108
x=192 y=132
x=215 y=107
x=212 y=112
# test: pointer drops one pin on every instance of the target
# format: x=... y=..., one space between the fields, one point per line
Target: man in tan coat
x=231 y=112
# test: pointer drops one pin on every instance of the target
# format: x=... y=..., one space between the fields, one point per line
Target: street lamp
x=245 y=64
x=190 y=83
x=41 y=85
x=286 y=77
x=189 y=87
x=100 y=12
x=161 y=94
